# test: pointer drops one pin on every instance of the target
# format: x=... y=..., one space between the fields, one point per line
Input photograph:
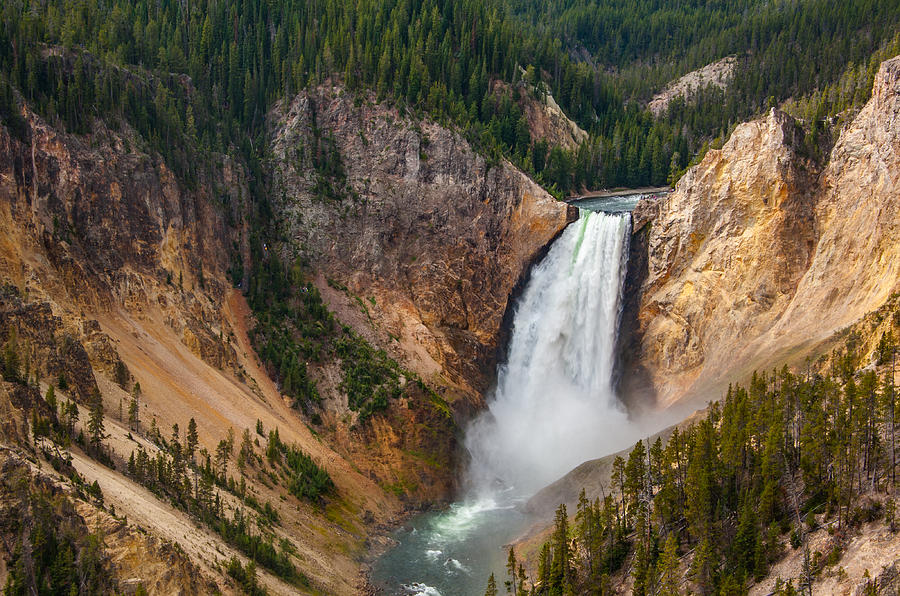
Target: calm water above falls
x=554 y=408
x=614 y=204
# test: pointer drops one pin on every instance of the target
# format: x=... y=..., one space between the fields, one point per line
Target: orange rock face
x=429 y=230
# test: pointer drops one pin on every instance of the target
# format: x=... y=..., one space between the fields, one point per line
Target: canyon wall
x=431 y=235
x=759 y=255
x=114 y=273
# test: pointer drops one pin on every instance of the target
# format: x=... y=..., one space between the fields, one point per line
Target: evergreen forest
x=709 y=508
x=195 y=78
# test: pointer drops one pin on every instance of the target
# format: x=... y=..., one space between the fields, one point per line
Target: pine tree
x=72 y=416
x=50 y=398
x=191 y=440
x=588 y=535
x=522 y=581
x=511 y=568
x=134 y=420
x=668 y=567
x=246 y=448
x=701 y=572
x=745 y=541
x=560 y=574
x=491 y=587
x=95 y=424
x=618 y=478
x=121 y=375
x=544 y=566
x=222 y=454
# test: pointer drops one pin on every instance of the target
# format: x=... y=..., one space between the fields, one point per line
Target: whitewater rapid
x=555 y=405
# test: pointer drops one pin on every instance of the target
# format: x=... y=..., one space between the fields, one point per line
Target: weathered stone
x=757 y=257
x=438 y=236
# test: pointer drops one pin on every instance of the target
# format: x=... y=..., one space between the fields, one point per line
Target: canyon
x=722 y=274
x=760 y=255
x=116 y=273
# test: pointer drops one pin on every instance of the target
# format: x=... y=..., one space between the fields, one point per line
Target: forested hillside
x=711 y=509
x=311 y=217
x=787 y=48
x=433 y=57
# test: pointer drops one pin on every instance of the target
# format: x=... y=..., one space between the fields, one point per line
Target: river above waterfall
x=553 y=408
x=615 y=203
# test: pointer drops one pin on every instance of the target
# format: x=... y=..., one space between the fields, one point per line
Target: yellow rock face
x=757 y=256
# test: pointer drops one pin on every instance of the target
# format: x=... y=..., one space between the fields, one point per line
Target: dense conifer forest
x=198 y=77
x=712 y=507
x=729 y=494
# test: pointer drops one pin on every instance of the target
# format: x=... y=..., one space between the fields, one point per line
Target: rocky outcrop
x=93 y=223
x=113 y=272
x=34 y=502
x=435 y=236
x=757 y=257
x=100 y=204
x=106 y=257
x=717 y=74
x=546 y=120
x=855 y=267
x=47 y=349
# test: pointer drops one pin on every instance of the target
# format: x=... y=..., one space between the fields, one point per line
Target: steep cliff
x=758 y=257
x=717 y=74
x=546 y=120
x=430 y=234
x=416 y=242
x=95 y=223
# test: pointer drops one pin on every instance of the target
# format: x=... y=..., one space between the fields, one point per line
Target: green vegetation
x=52 y=550
x=295 y=331
x=175 y=474
x=832 y=106
x=245 y=577
x=293 y=327
x=784 y=50
x=11 y=366
x=126 y=60
x=370 y=376
x=306 y=480
x=192 y=79
x=765 y=467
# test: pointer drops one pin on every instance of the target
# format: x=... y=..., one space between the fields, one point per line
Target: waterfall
x=555 y=406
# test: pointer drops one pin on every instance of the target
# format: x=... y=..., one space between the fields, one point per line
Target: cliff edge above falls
x=758 y=256
x=432 y=236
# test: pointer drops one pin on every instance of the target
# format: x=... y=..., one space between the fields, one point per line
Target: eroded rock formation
x=757 y=257
x=434 y=235
x=113 y=273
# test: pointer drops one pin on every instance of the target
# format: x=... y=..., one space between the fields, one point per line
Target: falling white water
x=554 y=405
x=554 y=408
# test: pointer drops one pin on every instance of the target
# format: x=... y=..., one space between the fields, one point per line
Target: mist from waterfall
x=555 y=405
